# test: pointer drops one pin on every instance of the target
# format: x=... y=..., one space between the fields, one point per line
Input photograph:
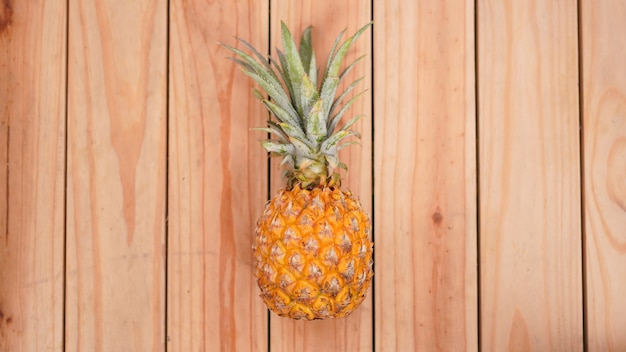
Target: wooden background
x=493 y=163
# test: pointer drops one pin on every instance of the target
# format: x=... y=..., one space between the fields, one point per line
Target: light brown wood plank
x=530 y=239
x=604 y=111
x=217 y=179
x=329 y=18
x=116 y=175
x=32 y=168
x=425 y=180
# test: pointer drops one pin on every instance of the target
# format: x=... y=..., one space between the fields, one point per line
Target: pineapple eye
x=311 y=245
x=281 y=300
x=332 y=283
x=291 y=211
x=347 y=269
x=317 y=203
x=355 y=224
x=362 y=250
x=337 y=213
x=296 y=262
x=331 y=256
x=344 y=243
x=305 y=220
x=286 y=279
x=305 y=291
x=361 y=278
x=313 y=271
x=300 y=311
x=326 y=231
x=343 y=298
x=269 y=272
x=291 y=235
x=276 y=223
x=278 y=253
x=322 y=306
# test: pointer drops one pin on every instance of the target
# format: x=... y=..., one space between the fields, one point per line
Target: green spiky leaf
x=332 y=52
x=278 y=148
x=275 y=130
x=294 y=68
x=342 y=96
x=307 y=113
x=297 y=134
x=260 y=56
x=331 y=77
x=316 y=123
x=329 y=146
x=281 y=114
x=306 y=47
x=352 y=122
x=337 y=117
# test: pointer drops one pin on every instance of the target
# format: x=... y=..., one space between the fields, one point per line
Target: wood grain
x=217 y=179
x=604 y=110
x=530 y=226
x=425 y=181
x=328 y=19
x=32 y=167
x=116 y=175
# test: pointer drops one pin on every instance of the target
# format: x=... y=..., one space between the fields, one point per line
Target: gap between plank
x=477 y=166
x=581 y=167
x=167 y=171
x=269 y=163
x=65 y=171
x=373 y=175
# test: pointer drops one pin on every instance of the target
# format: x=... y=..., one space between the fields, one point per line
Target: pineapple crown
x=306 y=132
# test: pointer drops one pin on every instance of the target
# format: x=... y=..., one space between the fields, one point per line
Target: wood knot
x=7 y=321
x=6 y=14
x=437 y=218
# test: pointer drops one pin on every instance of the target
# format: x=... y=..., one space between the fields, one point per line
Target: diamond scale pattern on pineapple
x=312 y=252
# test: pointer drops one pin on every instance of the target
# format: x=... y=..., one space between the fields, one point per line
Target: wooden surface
x=493 y=157
x=329 y=18
x=115 y=275
x=32 y=169
x=603 y=50
x=530 y=224
x=425 y=187
x=217 y=180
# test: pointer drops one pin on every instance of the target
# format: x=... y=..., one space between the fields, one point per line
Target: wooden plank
x=604 y=110
x=329 y=18
x=32 y=168
x=530 y=239
x=116 y=175
x=425 y=182
x=217 y=179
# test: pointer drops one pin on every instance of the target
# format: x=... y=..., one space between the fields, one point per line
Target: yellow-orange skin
x=312 y=253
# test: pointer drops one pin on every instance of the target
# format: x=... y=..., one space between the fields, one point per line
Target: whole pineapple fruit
x=312 y=252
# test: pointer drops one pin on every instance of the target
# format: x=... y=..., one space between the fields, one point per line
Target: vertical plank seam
x=581 y=170
x=477 y=180
x=373 y=174
x=65 y=174
x=8 y=170
x=268 y=161
x=167 y=173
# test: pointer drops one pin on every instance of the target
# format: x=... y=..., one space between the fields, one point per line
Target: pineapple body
x=312 y=253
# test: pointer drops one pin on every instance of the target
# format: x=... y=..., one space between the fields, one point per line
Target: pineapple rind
x=312 y=253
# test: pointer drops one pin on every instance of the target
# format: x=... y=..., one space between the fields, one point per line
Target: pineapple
x=312 y=252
